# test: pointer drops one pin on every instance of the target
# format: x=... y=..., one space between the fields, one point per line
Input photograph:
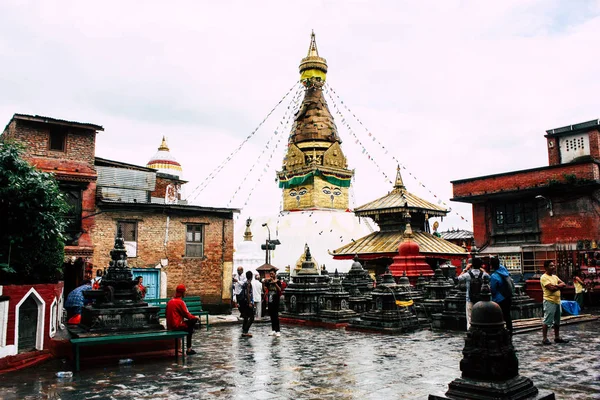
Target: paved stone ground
x=312 y=363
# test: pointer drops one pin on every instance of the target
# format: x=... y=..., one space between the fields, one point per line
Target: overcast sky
x=452 y=89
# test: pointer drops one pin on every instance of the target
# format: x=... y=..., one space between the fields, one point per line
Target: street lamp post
x=268 y=241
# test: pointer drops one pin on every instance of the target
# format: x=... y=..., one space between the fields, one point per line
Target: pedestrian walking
x=273 y=288
x=579 y=288
x=179 y=318
x=245 y=301
x=551 y=285
x=238 y=281
x=502 y=287
x=473 y=275
x=257 y=288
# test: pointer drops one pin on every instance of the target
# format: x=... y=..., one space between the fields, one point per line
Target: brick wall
x=554 y=157
x=202 y=276
x=520 y=180
x=161 y=187
x=80 y=145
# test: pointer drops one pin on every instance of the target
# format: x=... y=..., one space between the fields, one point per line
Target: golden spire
x=163 y=145
x=312 y=65
x=399 y=185
x=408 y=233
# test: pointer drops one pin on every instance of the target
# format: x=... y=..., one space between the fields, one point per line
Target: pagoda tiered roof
x=385 y=244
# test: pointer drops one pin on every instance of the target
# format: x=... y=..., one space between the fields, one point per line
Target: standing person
x=473 y=275
x=179 y=318
x=503 y=288
x=257 y=293
x=238 y=281
x=273 y=289
x=245 y=300
x=551 y=286
x=141 y=288
x=75 y=302
x=579 y=288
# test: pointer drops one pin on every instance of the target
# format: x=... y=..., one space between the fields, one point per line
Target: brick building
x=168 y=242
x=530 y=216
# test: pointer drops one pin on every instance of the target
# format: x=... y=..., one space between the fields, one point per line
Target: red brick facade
x=563 y=199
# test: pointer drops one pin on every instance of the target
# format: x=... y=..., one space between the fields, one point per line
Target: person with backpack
x=473 y=275
x=245 y=301
x=503 y=288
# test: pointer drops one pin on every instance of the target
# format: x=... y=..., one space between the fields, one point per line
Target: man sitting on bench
x=179 y=318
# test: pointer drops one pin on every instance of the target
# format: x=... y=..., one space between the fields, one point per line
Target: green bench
x=126 y=338
x=193 y=304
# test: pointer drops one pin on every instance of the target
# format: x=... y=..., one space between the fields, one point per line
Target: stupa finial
x=408 y=233
x=163 y=145
x=399 y=184
x=313 y=66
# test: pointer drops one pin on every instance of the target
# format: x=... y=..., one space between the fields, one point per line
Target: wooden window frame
x=194 y=229
x=136 y=233
x=54 y=132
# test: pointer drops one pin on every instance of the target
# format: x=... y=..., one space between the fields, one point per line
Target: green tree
x=31 y=222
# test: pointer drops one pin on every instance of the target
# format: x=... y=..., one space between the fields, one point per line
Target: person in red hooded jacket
x=179 y=318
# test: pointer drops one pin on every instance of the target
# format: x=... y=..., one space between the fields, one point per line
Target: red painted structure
x=410 y=261
x=48 y=298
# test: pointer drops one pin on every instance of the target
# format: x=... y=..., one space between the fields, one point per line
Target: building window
x=129 y=229
x=58 y=139
x=73 y=197
x=515 y=222
x=194 y=241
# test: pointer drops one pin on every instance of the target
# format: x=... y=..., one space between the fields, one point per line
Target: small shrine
x=490 y=368
x=436 y=290
x=523 y=306
x=336 y=302
x=390 y=311
x=118 y=304
x=453 y=314
x=305 y=294
x=378 y=249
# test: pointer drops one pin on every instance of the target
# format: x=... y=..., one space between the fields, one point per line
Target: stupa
x=490 y=368
x=164 y=162
x=315 y=180
x=360 y=285
x=336 y=308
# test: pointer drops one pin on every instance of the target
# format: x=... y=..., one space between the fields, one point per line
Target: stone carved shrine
x=118 y=305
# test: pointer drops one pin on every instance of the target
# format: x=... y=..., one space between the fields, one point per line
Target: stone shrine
x=336 y=303
x=304 y=295
x=453 y=315
x=360 y=285
x=436 y=290
x=118 y=305
x=523 y=306
x=389 y=312
x=490 y=368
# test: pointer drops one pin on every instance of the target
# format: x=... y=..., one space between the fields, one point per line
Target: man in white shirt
x=257 y=288
x=473 y=275
x=238 y=280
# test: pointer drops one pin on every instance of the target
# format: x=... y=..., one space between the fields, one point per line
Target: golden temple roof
x=385 y=243
x=313 y=65
x=399 y=200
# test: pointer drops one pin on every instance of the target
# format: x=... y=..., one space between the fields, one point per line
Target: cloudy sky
x=451 y=89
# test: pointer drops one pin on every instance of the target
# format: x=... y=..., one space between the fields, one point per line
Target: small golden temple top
x=163 y=145
x=399 y=185
x=312 y=65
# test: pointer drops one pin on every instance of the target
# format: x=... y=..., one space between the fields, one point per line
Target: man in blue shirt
x=502 y=287
x=75 y=300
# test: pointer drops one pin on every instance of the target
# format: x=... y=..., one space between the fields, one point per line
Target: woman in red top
x=141 y=287
x=179 y=318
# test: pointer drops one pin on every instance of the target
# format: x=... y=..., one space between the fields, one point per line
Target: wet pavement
x=313 y=363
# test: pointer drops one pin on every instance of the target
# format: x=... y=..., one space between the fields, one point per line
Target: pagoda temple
x=390 y=212
x=315 y=182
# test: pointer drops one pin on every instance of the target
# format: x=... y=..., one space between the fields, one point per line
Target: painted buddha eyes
x=336 y=191
x=300 y=192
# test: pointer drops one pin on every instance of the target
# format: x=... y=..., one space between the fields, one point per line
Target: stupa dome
x=164 y=162
x=486 y=314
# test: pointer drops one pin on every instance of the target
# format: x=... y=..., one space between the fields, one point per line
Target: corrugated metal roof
x=457 y=235
x=400 y=200
x=126 y=178
x=387 y=242
x=56 y=121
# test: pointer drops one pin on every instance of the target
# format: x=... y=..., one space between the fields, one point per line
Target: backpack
x=507 y=289
x=475 y=287
x=242 y=297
